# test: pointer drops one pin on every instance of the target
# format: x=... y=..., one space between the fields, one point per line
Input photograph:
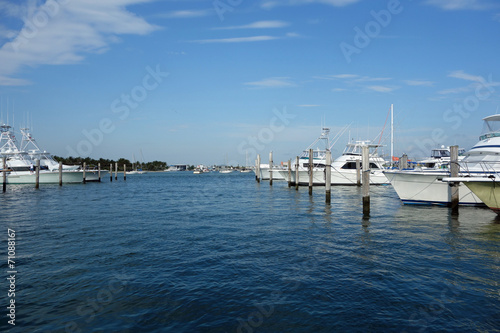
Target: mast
x=392 y=132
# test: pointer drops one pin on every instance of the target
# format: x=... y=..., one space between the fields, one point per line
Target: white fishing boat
x=343 y=169
x=319 y=156
x=421 y=186
x=21 y=165
x=440 y=158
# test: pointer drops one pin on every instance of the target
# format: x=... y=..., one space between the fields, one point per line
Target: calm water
x=177 y=252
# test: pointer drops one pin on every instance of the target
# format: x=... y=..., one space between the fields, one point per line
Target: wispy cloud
x=382 y=89
x=460 y=74
x=187 y=13
x=475 y=81
x=269 y=4
x=236 y=39
x=72 y=30
x=454 y=90
x=357 y=82
x=257 y=25
x=371 y=79
x=422 y=83
x=462 y=4
x=273 y=82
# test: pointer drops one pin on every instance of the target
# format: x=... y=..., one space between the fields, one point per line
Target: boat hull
x=488 y=192
x=48 y=177
x=339 y=177
x=427 y=187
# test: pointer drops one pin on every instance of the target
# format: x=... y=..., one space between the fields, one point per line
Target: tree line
x=91 y=163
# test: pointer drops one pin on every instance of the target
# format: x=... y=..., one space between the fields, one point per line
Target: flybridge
x=491 y=127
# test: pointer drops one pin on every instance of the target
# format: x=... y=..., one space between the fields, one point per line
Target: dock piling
x=116 y=170
x=60 y=173
x=297 y=174
x=366 y=181
x=328 y=177
x=124 y=172
x=289 y=173
x=358 y=172
x=271 y=168
x=37 y=174
x=4 y=173
x=99 y=171
x=310 y=171
x=454 y=173
x=111 y=172
x=257 y=169
x=84 y=172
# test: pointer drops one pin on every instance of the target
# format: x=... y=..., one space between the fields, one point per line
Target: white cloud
x=371 y=79
x=236 y=39
x=257 y=25
x=461 y=4
x=186 y=13
x=382 y=89
x=339 y=89
x=269 y=4
x=273 y=82
x=422 y=83
x=454 y=90
x=460 y=74
x=57 y=34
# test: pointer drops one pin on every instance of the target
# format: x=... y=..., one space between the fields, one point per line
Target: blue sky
x=191 y=81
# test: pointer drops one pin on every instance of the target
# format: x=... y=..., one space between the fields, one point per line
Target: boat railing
x=474 y=169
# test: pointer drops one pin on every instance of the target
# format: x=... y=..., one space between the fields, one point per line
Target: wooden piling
x=366 y=181
x=310 y=171
x=358 y=172
x=124 y=172
x=271 y=168
x=297 y=174
x=328 y=177
x=403 y=162
x=99 y=171
x=84 y=172
x=116 y=170
x=4 y=173
x=37 y=174
x=111 y=172
x=454 y=173
x=60 y=173
x=257 y=169
x=289 y=173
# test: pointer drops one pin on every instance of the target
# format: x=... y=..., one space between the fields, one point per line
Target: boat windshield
x=491 y=127
x=440 y=153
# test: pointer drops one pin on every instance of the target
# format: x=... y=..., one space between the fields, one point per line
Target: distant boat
x=226 y=170
x=21 y=164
